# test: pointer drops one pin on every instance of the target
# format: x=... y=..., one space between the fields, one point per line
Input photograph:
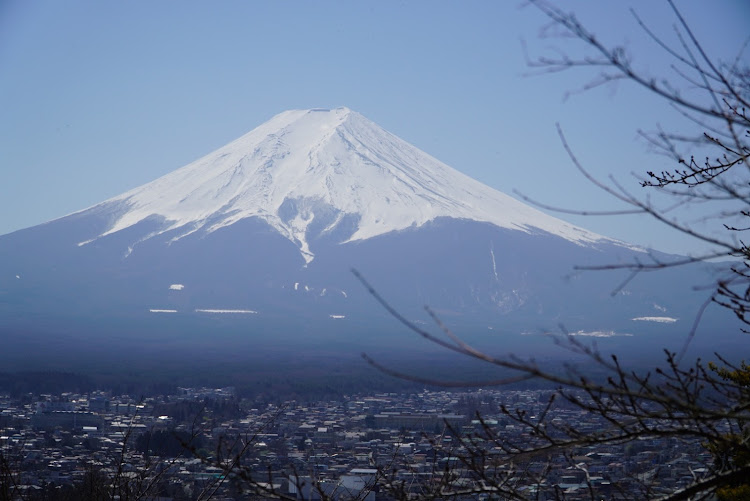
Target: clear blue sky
x=99 y=97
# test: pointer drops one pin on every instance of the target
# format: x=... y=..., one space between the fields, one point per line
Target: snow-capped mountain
x=304 y=166
x=263 y=232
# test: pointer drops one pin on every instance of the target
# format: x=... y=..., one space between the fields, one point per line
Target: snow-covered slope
x=304 y=164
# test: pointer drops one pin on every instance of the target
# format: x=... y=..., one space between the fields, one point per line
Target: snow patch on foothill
x=662 y=320
x=599 y=334
x=202 y=310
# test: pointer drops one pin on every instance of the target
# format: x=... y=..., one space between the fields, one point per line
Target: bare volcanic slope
x=262 y=233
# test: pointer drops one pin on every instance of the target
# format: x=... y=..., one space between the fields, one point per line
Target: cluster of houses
x=381 y=446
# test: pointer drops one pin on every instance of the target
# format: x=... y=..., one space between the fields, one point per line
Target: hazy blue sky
x=99 y=97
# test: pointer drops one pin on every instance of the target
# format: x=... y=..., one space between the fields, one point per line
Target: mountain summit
x=322 y=171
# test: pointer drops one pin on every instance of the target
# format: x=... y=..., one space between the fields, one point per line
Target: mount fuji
x=310 y=172
x=258 y=238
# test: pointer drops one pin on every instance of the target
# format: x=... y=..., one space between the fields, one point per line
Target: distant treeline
x=304 y=379
x=18 y=384
x=268 y=387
